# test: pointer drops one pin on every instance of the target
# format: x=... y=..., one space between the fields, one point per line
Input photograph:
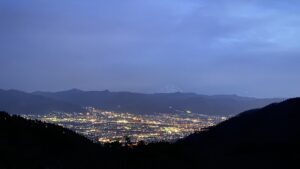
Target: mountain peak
x=74 y=90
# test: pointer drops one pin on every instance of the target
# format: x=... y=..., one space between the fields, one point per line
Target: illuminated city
x=107 y=126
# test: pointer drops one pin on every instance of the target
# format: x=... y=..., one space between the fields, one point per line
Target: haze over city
x=248 y=48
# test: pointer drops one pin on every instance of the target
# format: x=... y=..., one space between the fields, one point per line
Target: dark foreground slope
x=262 y=138
x=34 y=144
x=265 y=138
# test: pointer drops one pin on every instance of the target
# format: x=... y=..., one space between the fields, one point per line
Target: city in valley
x=109 y=126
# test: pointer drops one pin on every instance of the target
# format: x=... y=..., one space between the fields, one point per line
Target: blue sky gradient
x=244 y=47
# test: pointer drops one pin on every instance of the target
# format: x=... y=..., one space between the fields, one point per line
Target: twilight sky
x=244 y=47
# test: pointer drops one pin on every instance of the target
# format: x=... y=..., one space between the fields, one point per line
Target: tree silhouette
x=127 y=142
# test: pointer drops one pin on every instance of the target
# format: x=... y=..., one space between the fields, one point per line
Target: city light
x=108 y=126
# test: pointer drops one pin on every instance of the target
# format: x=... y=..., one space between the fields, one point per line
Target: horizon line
x=135 y=92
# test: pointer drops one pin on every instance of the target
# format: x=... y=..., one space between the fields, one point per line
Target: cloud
x=189 y=43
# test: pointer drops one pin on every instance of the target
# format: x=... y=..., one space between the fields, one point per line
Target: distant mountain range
x=74 y=100
x=266 y=138
x=18 y=102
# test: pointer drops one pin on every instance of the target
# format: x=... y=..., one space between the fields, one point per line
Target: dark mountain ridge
x=159 y=102
x=34 y=144
x=266 y=123
x=264 y=138
x=18 y=102
x=261 y=138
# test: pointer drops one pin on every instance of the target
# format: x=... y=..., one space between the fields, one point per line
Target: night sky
x=244 y=47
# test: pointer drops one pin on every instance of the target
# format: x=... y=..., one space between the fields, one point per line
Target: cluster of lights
x=107 y=126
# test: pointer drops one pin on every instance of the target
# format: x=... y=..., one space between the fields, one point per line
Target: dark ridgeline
x=17 y=102
x=261 y=138
x=32 y=144
x=159 y=102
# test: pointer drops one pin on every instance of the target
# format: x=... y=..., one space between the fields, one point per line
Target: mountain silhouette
x=159 y=102
x=266 y=138
x=260 y=138
x=18 y=102
x=34 y=144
